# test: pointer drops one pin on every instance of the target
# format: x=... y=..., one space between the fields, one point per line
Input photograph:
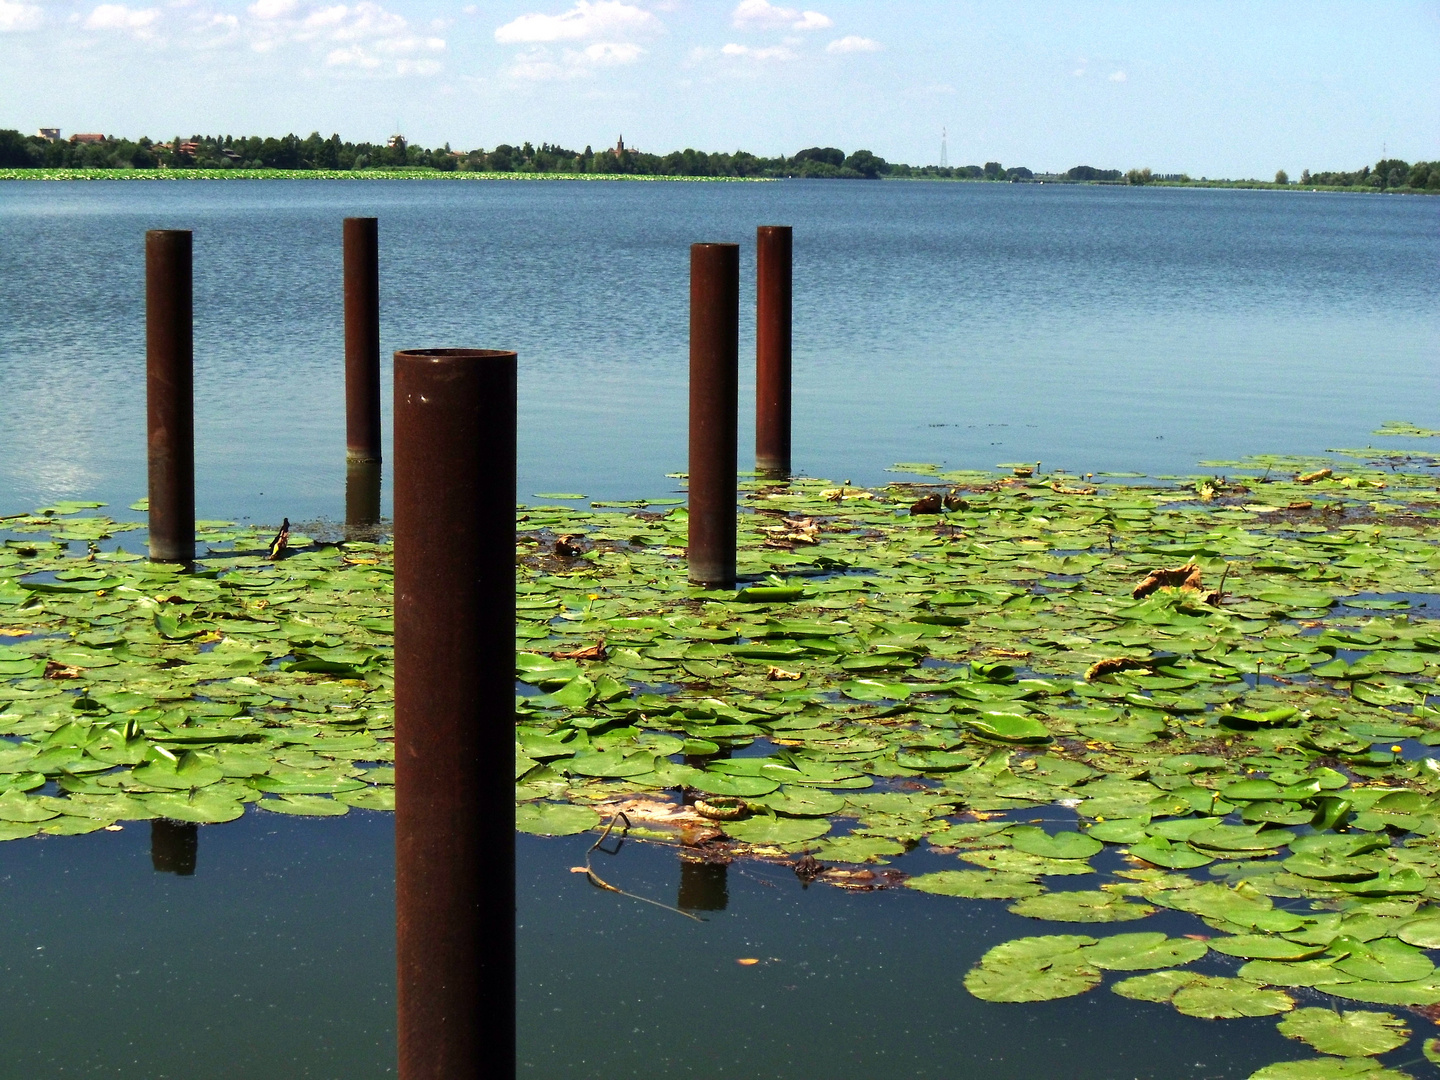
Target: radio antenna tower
x=944 y=153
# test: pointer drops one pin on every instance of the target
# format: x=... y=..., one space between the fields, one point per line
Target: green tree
x=1282 y=177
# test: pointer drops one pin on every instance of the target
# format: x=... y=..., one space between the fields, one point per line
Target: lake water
x=1091 y=328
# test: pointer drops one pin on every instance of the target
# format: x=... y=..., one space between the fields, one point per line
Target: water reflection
x=362 y=499
x=704 y=886
x=174 y=846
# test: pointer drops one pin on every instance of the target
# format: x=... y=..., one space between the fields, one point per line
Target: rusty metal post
x=772 y=350
x=362 y=339
x=454 y=712
x=714 y=388
x=170 y=394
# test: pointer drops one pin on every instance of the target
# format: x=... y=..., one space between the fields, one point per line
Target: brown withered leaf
x=1181 y=577
x=776 y=674
x=56 y=670
x=929 y=504
x=1113 y=664
x=792 y=531
x=589 y=652
x=565 y=547
x=1311 y=477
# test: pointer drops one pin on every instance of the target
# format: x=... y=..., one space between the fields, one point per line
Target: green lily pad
x=779 y=831
x=803 y=802
x=975 y=884
x=1328 y=1068
x=1346 y=1034
x=1264 y=947
x=1320 y=972
x=1143 y=951
x=1016 y=983
x=304 y=806
x=1225 y=999
x=554 y=819
x=1424 y=933
x=1060 y=845
x=1081 y=906
x=1420 y=992
x=197 y=806
x=1004 y=727
x=1161 y=852
x=1385 y=960
x=1158 y=986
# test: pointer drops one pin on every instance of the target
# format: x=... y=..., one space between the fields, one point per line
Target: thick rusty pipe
x=455 y=712
x=714 y=388
x=362 y=339
x=772 y=350
x=170 y=394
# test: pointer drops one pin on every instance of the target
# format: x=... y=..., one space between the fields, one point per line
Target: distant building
x=396 y=141
x=87 y=137
x=51 y=134
x=620 y=147
x=189 y=148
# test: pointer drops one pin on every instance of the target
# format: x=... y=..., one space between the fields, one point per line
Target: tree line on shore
x=291 y=152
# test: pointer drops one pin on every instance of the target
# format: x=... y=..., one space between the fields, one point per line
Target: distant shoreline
x=50 y=175
x=346 y=174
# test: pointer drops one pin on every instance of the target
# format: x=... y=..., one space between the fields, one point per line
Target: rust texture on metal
x=773 y=247
x=455 y=712
x=170 y=394
x=362 y=339
x=714 y=388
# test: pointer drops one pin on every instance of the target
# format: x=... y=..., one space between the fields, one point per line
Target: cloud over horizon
x=762 y=15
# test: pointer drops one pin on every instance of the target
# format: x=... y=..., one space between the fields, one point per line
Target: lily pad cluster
x=1100 y=696
x=1209 y=694
x=131 y=690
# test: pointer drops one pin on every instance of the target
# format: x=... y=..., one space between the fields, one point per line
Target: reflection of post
x=169 y=393
x=454 y=712
x=362 y=495
x=174 y=846
x=703 y=886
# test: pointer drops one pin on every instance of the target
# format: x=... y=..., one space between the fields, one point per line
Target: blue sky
x=1215 y=88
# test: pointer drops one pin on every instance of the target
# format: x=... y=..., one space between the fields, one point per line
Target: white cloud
x=271 y=9
x=136 y=21
x=762 y=15
x=359 y=38
x=19 y=16
x=772 y=52
x=541 y=65
x=1119 y=76
x=601 y=18
x=853 y=44
x=610 y=53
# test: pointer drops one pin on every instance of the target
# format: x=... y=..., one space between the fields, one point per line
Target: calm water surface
x=1091 y=328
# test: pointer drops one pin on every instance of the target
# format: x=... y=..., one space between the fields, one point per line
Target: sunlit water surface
x=1091 y=328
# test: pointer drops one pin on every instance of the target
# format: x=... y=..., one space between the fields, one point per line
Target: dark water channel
x=275 y=957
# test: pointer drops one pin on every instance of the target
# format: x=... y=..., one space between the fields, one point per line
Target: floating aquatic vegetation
x=129 y=690
x=1247 y=742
